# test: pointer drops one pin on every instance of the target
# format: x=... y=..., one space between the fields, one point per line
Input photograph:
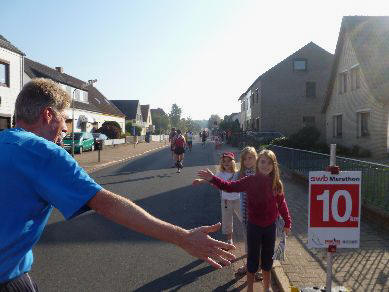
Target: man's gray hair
x=37 y=95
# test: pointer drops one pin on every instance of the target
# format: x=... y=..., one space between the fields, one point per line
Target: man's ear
x=47 y=115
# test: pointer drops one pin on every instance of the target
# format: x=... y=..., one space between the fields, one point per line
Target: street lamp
x=90 y=82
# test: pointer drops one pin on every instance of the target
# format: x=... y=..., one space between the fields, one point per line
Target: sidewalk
x=366 y=269
x=115 y=154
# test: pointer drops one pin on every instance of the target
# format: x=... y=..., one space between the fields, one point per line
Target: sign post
x=334 y=211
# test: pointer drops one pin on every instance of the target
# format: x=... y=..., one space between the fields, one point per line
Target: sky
x=200 y=54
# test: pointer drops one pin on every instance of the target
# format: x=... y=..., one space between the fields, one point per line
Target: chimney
x=59 y=69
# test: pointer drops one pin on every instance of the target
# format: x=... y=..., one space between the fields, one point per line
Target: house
x=147 y=119
x=357 y=100
x=91 y=107
x=11 y=80
x=290 y=95
x=132 y=111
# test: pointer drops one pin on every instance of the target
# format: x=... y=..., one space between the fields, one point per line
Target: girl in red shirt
x=266 y=200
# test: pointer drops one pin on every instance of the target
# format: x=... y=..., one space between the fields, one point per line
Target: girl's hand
x=199 y=181
x=286 y=230
x=205 y=174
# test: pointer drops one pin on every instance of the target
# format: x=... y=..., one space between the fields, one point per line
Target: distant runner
x=189 y=139
x=204 y=137
x=179 y=150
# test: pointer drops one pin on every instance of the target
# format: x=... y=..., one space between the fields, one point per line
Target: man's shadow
x=178 y=279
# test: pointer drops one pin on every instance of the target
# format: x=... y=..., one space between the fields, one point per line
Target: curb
x=104 y=165
x=280 y=277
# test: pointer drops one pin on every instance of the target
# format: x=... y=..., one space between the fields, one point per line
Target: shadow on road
x=182 y=206
x=184 y=276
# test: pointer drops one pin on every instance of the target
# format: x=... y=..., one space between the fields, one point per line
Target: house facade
x=245 y=110
x=146 y=116
x=290 y=95
x=11 y=80
x=133 y=112
x=357 y=100
x=91 y=108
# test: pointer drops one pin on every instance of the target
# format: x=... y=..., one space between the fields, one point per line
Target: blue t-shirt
x=35 y=176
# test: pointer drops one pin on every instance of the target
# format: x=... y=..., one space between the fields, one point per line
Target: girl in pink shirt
x=266 y=200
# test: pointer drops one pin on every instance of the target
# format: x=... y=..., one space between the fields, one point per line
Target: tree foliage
x=111 y=129
x=161 y=122
x=175 y=115
x=214 y=121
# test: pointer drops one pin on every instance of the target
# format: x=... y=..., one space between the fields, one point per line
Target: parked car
x=83 y=141
x=266 y=137
x=99 y=140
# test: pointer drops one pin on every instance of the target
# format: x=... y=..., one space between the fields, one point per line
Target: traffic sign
x=334 y=209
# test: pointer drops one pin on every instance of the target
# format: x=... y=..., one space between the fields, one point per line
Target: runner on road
x=204 y=136
x=179 y=150
x=189 y=139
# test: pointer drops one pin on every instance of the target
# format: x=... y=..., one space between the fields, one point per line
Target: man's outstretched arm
x=196 y=241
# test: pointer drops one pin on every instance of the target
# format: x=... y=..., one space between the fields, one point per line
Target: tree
x=214 y=121
x=175 y=116
x=111 y=129
x=161 y=121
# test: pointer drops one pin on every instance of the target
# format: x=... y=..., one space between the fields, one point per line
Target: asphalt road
x=89 y=253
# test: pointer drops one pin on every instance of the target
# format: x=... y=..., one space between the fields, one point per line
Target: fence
x=375 y=177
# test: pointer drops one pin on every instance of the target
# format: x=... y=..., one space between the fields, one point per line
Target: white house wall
x=8 y=94
x=92 y=118
x=351 y=102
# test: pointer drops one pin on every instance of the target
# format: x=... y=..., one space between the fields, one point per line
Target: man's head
x=40 y=108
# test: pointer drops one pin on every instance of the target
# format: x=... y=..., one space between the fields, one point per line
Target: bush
x=111 y=130
x=306 y=138
x=113 y=124
x=322 y=148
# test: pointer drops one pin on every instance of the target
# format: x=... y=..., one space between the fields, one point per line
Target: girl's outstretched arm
x=228 y=186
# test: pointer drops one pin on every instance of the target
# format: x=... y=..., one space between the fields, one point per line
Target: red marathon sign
x=334 y=209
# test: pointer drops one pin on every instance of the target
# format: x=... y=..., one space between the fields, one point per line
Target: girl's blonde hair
x=245 y=151
x=278 y=187
x=221 y=167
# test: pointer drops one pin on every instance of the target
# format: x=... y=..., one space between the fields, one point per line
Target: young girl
x=248 y=158
x=266 y=200
x=229 y=201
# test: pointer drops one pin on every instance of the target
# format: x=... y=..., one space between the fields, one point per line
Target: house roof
x=158 y=111
x=4 y=43
x=145 y=111
x=128 y=107
x=97 y=102
x=311 y=45
x=369 y=36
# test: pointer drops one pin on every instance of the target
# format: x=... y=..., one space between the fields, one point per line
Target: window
x=252 y=100
x=257 y=94
x=300 y=65
x=310 y=89
x=363 y=122
x=342 y=83
x=355 y=78
x=4 y=74
x=257 y=123
x=337 y=123
x=309 y=121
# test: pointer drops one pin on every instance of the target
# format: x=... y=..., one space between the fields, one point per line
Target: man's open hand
x=199 y=244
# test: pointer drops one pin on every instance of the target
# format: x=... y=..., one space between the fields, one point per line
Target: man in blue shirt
x=37 y=175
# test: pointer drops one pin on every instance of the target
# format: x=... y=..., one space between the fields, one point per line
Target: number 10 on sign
x=334 y=209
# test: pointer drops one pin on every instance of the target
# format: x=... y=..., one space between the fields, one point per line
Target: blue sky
x=200 y=54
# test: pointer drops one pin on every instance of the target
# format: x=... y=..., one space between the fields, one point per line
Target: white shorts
x=229 y=207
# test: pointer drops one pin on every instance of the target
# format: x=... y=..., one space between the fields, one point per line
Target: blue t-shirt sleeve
x=64 y=184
